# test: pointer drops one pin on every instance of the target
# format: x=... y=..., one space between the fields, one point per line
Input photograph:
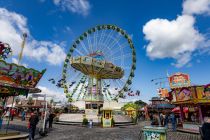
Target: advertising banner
x=184 y=95
x=179 y=80
x=163 y=92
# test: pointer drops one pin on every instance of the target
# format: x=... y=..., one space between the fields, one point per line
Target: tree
x=17 y=100
x=51 y=101
x=30 y=100
x=140 y=103
x=137 y=104
x=130 y=104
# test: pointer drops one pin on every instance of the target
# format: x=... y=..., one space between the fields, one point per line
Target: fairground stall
x=15 y=80
x=159 y=105
x=193 y=102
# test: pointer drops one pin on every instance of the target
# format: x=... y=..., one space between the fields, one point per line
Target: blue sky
x=169 y=36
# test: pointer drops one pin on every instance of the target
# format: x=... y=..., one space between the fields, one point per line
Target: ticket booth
x=107 y=117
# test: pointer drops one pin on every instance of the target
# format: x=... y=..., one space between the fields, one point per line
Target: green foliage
x=30 y=100
x=112 y=122
x=130 y=104
x=136 y=105
x=58 y=110
x=101 y=120
x=85 y=121
x=51 y=101
x=134 y=119
x=140 y=103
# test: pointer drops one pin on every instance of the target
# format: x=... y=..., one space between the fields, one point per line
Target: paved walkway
x=66 y=132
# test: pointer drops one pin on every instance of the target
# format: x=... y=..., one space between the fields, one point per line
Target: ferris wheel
x=101 y=61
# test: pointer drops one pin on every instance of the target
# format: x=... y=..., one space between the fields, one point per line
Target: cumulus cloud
x=13 y=25
x=56 y=95
x=178 y=38
x=196 y=7
x=76 y=6
x=172 y=39
x=14 y=60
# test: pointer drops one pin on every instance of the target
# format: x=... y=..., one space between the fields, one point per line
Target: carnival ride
x=99 y=66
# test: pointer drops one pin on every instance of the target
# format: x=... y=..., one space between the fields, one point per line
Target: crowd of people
x=32 y=117
x=161 y=119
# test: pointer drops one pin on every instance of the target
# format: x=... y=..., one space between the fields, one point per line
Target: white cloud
x=176 y=39
x=14 y=60
x=13 y=25
x=56 y=95
x=196 y=7
x=76 y=6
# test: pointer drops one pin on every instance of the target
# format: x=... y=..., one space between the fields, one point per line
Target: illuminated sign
x=179 y=80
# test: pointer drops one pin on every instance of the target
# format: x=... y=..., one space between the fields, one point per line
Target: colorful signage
x=184 y=95
x=163 y=92
x=206 y=92
x=5 y=50
x=16 y=76
x=179 y=80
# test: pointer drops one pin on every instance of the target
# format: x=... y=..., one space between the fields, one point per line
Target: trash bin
x=90 y=124
x=154 y=133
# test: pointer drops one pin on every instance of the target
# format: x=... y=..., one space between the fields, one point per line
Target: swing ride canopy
x=18 y=80
x=99 y=69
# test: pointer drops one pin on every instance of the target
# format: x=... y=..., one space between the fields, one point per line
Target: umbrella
x=176 y=110
x=185 y=109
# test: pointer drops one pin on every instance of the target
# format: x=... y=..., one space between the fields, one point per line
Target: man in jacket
x=205 y=130
x=33 y=121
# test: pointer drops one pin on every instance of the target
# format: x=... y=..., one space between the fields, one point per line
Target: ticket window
x=107 y=114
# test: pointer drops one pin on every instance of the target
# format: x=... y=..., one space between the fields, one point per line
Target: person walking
x=12 y=113
x=205 y=130
x=173 y=121
x=161 y=119
x=23 y=115
x=166 y=120
x=51 y=116
x=33 y=121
